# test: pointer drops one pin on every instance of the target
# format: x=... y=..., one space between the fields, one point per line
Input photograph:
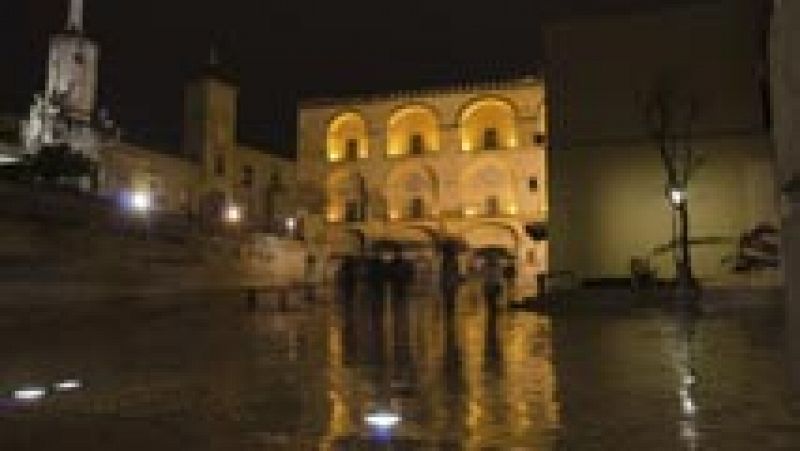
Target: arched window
x=416 y=208
x=412 y=130
x=492 y=206
x=347 y=138
x=351 y=149
x=489 y=123
x=352 y=211
x=219 y=165
x=490 y=140
x=416 y=144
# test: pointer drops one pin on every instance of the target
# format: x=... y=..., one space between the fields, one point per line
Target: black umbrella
x=495 y=252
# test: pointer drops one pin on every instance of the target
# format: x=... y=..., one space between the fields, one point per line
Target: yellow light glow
x=512 y=142
x=512 y=209
x=334 y=156
x=394 y=215
x=470 y=211
x=467 y=145
x=233 y=214
x=333 y=216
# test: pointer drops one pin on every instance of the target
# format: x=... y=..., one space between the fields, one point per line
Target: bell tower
x=63 y=113
x=209 y=126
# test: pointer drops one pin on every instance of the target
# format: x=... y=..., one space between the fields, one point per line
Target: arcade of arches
x=464 y=164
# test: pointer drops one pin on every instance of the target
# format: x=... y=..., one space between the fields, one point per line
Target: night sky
x=279 y=51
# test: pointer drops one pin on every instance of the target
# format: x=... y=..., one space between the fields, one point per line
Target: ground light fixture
x=8 y=160
x=68 y=385
x=29 y=393
x=382 y=420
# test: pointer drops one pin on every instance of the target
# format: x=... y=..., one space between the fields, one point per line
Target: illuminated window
x=352 y=211
x=490 y=139
x=219 y=165
x=416 y=208
x=492 y=206
x=416 y=144
x=247 y=176
x=351 y=149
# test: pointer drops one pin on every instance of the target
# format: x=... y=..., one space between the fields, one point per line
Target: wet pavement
x=396 y=375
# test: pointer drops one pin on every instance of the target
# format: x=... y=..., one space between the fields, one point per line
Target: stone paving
x=206 y=374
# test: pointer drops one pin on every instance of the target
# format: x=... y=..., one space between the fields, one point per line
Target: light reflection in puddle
x=29 y=394
x=68 y=385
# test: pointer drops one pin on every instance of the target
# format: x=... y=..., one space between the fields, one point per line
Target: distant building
x=463 y=163
x=66 y=112
x=212 y=178
x=607 y=184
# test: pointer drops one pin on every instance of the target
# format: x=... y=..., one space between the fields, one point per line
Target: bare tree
x=670 y=115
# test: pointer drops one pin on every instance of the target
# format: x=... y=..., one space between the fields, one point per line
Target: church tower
x=209 y=126
x=64 y=112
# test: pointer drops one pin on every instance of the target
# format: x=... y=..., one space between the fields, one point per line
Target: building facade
x=212 y=178
x=465 y=163
x=785 y=72
x=66 y=111
x=607 y=182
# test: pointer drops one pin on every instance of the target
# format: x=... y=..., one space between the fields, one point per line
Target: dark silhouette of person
x=347 y=278
x=376 y=278
x=492 y=282
x=400 y=274
x=375 y=307
x=510 y=275
x=449 y=279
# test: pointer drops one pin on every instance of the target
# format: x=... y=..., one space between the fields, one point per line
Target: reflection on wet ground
x=408 y=374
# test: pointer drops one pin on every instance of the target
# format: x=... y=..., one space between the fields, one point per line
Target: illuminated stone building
x=607 y=183
x=66 y=112
x=465 y=163
x=212 y=177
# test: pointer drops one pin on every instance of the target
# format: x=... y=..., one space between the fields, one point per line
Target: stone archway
x=409 y=183
x=488 y=179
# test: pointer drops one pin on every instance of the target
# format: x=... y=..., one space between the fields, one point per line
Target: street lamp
x=678 y=197
x=233 y=214
x=140 y=201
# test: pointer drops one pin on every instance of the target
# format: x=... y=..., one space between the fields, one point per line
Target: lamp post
x=678 y=198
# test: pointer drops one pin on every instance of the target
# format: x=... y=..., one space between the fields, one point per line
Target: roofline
x=509 y=83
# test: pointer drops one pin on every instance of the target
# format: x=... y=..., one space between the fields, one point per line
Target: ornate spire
x=75 y=21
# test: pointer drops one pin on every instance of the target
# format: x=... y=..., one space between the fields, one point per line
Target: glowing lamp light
x=382 y=420
x=291 y=224
x=333 y=216
x=512 y=209
x=29 y=394
x=394 y=215
x=140 y=201
x=677 y=196
x=470 y=211
x=68 y=385
x=233 y=214
x=8 y=159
